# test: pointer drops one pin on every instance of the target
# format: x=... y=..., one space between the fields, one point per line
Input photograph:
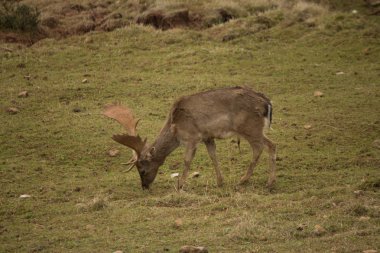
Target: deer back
x=219 y=113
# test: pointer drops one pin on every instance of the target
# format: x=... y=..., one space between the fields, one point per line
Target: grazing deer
x=201 y=117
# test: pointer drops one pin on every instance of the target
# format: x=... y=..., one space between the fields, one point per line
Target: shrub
x=18 y=17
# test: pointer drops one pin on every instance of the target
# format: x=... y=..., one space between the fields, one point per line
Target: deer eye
x=143 y=163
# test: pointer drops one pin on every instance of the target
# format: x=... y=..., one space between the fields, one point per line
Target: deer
x=201 y=117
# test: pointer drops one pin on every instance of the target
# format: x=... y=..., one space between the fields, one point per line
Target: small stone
x=85 y=80
x=370 y=251
x=118 y=251
x=301 y=227
x=376 y=143
x=339 y=73
x=366 y=51
x=23 y=94
x=178 y=222
x=318 y=93
x=319 y=230
x=307 y=126
x=364 y=218
x=192 y=249
x=354 y=12
x=12 y=110
x=174 y=175
x=113 y=152
x=195 y=174
x=24 y=196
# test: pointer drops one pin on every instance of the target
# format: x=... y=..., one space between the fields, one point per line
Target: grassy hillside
x=55 y=148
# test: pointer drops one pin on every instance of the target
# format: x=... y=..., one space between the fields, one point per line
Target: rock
x=85 y=80
x=318 y=93
x=307 y=126
x=12 y=110
x=195 y=174
x=301 y=227
x=339 y=73
x=364 y=218
x=23 y=94
x=178 y=222
x=370 y=251
x=113 y=152
x=24 y=196
x=118 y=251
x=319 y=230
x=376 y=143
x=174 y=175
x=192 y=249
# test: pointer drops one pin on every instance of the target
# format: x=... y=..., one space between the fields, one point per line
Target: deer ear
x=150 y=153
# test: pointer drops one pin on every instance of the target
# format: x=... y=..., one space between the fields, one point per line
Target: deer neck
x=165 y=143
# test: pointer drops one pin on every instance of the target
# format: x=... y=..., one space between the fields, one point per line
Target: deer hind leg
x=211 y=149
x=257 y=149
x=189 y=155
x=272 y=161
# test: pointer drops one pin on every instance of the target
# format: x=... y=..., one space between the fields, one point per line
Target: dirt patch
x=161 y=20
x=65 y=18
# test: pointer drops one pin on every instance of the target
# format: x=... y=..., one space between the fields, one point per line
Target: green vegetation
x=56 y=147
x=18 y=17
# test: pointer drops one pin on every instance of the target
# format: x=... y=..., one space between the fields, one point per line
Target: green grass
x=82 y=199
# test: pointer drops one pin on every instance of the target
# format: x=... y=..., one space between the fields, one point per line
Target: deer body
x=203 y=117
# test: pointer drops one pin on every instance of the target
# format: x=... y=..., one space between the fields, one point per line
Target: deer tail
x=268 y=116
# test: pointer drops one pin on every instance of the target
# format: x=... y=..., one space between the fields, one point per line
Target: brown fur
x=203 y=117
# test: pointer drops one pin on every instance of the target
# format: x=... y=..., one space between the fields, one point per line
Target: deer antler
x=133 y=142
x=124 y=116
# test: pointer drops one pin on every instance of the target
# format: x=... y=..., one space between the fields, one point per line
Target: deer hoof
x=180 y=185
x=270 y=183
x=244 y=180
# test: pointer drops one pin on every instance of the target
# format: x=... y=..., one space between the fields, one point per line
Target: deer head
x=142 y=152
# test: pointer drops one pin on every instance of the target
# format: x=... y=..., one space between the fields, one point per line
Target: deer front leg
x=211 y=149
x=189 y=155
